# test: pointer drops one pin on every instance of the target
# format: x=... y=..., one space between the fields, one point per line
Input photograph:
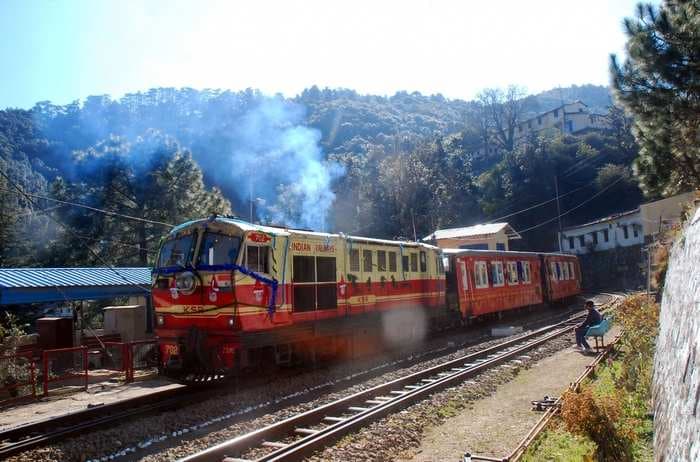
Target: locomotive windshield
x=218 y=249
x=176 y=252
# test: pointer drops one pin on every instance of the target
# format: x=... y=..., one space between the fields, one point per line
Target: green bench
x=598 y=331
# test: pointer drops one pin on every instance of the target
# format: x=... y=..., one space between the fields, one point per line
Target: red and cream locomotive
x=229 y=294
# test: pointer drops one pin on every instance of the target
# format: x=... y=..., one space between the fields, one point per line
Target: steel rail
x=371 y=404
x=28 y=436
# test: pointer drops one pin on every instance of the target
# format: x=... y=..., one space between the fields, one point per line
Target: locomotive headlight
x=185 y=282
x=231 y=322
x=160 y=319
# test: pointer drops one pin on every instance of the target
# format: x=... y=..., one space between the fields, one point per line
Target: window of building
x=556 y=113
x=570 y=126
x=497 y=273
x=392 y=262
x=571 y=242
x=512 y=273
x=582 y=241
x=257 y=258
x=529 y=125
x=481 y=278
x=414 y=262
x=605 y=235
x=423 y=263
x=367 y=261
x=381 y=260
x=625 y=232
x=354 y=260
x=594 y=234
x=539 y=121
x=635 y=231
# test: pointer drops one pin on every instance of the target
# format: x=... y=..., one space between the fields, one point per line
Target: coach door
x=314 y=284
x=463 y=282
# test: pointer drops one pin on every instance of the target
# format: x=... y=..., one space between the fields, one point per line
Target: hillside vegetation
x=326 y=159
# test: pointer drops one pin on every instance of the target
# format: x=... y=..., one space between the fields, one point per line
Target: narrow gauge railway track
x=28 y=436
x=25 y=437
x=302 y=435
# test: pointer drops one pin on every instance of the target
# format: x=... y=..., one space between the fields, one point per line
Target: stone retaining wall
x=676 y=387
x=618 y=268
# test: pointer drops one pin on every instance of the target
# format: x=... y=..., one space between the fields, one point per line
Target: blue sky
x=67 y=50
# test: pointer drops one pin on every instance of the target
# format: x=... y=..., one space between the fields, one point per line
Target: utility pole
x=250 y=187
x=413 y=221
x=556 y=191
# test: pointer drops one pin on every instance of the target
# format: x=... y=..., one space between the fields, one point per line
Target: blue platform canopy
x=41 y=285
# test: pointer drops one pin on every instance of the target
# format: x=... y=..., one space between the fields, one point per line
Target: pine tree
x=659 y=84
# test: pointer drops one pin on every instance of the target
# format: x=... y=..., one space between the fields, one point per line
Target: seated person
x=592 y=319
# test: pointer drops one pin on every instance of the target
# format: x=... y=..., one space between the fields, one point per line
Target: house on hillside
x=634 y=227
x=569 y=118
x=490 y=236
x=617 y=230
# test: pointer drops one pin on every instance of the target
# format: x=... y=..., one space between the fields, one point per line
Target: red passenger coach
x=495 y=281
x=563 y=276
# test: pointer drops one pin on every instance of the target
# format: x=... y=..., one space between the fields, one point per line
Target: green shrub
x=561 y=446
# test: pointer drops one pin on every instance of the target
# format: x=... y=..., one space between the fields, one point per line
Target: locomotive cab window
x=404 y=263
x=257 y=258
x=423 y=263
x=176 y=252
x=414 y=262
x=218 y=249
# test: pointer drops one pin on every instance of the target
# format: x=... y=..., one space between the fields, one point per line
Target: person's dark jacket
x=592 y=319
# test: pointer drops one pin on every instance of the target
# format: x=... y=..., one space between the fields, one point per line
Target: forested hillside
x=327 y=159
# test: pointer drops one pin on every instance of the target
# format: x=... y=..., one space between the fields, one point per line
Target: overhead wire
x=94 y=209
x=573 y=208
x=539 y=204
x=97 y=256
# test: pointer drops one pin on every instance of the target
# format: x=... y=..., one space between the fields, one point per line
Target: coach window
x=381 y=260
x=571 y=270
x=565 y=271
x=404 y=263
x=481 y=279
x=423 y=263
x=512 y=273
x=526 y=272
x=553 y=270
x=497 y=273
x=355 y=260
x=392 y=262
x=257 y=258
x=414 y=262
x=367 y=261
